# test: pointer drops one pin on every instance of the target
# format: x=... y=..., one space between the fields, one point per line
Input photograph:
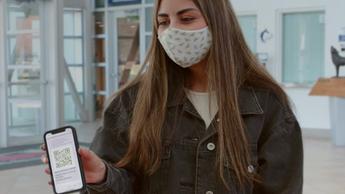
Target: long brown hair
x=230 y=65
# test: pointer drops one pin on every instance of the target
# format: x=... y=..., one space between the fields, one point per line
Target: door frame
x=3 y=80
x=14 y=141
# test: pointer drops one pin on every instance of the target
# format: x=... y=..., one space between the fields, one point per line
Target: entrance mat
x=23 y=156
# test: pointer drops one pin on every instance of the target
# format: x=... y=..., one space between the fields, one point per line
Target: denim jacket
x=189 y=149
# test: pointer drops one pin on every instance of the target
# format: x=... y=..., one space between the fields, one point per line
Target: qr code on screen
x=63 y=157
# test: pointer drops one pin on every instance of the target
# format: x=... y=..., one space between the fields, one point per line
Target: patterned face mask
x=186 y=47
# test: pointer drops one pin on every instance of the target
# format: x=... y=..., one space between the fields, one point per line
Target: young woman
x=204 y=117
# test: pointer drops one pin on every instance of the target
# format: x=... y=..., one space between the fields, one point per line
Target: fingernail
x=43 y=158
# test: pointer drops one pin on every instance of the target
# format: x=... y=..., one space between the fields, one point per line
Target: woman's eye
x=187 y=19
x=162 y=23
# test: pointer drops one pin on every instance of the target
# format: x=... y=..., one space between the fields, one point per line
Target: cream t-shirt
x=205 y=104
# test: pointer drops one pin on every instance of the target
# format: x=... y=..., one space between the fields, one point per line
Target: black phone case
x=76 y=144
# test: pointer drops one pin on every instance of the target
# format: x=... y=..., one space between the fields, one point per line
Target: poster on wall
x=123 y=2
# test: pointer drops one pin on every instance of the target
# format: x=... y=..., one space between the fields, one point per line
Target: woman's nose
x=174 y=23
x=163 y=28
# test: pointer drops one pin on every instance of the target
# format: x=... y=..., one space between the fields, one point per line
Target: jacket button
x=218 y=120
x=209 y=192
x=251 y=168
x=211 y=146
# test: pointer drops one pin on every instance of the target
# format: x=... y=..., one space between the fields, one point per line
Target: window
x=99 y=3
x=74 y=56
x=303 y=47
x=23 y=72
x=249 y=29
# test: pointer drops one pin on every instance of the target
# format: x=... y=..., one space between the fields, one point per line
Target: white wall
x=312 y=112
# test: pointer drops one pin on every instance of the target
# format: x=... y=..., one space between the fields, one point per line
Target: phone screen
x=64 y=163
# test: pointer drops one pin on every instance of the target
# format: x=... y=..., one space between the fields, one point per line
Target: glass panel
x=99 y=3
x=128 y=44
x=24 y=118
x=77 y=77
x=125 y=44
x=73 y=51
x=23 y=15
x=149 y=1
x=78 y=23
x=24 y=87
x=99 y=50
x=303 y=47
x=68 y=23
x=249 y=29
x=70 y=110
x=72 y=23
x=24 y=50
x=24 y=90
x=18 y=82
x=23 y=75
x=99 y=22
x=148 y=19
x=100 y=78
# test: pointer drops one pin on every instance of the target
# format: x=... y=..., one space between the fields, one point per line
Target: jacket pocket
x=253 y=160
x=229 y=172
x=158 y=182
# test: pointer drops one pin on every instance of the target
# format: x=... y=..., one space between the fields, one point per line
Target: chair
x=337 y=59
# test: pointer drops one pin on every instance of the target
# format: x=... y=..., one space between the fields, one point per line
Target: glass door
x=303 y=47
x=25 y=81
x=127 y=45
x=117 y=52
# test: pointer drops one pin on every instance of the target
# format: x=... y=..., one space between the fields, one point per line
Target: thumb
x=85 y=153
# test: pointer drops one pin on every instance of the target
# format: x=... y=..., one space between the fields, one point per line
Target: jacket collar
x=248 y=100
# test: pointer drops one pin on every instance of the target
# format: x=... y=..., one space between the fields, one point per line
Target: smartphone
x=64 y=160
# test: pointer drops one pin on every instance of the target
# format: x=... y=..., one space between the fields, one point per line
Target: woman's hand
x=94 y=167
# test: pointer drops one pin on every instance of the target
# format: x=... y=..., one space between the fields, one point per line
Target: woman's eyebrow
x=186 y=10
x=178 y=13
x=163 y=15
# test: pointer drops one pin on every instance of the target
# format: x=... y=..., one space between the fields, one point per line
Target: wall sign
x=123 y=2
